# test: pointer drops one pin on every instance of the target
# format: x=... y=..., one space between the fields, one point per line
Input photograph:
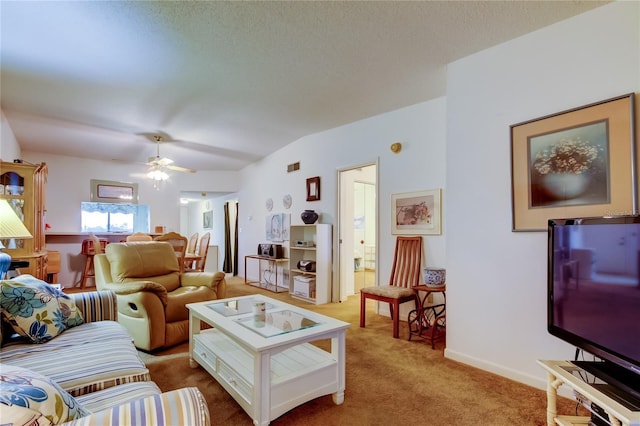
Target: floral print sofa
x=65 y=360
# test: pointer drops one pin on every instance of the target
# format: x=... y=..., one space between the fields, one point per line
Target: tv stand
x=567 y=373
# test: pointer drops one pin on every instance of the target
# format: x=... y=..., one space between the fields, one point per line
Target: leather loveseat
x=151 y=291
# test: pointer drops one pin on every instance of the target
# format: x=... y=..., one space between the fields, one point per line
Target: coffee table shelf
x=269 y=376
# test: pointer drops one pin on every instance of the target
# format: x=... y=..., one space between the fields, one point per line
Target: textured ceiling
x=231 y=81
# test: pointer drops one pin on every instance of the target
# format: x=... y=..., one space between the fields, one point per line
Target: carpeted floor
x=388 y=381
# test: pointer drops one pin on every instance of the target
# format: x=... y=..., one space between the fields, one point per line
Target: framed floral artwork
x=416 y=213
x=576 y=163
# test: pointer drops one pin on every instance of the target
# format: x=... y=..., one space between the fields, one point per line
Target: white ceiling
x=232 y=81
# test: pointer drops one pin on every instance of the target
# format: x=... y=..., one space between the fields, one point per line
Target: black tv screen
x=594 y=289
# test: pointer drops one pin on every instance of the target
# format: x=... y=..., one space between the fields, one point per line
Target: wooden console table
x=262 y=282
x=562 y=373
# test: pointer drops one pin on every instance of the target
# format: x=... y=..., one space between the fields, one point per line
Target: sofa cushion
x=21 y=389
x=88 y=358
x=153 y=261
x=36 y=309
x=185 y=406
x=116 y=395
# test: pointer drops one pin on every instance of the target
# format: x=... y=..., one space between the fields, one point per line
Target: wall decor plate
x=286 y=201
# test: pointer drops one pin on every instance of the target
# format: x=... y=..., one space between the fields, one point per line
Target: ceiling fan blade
x=180 y=169
x=163 y=161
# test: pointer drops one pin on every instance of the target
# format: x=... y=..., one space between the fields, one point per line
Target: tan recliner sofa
x=151 y=292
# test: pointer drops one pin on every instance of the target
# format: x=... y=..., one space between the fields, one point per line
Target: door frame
x=338 y=288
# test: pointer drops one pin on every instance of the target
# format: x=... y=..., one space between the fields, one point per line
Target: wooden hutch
x=23 y=185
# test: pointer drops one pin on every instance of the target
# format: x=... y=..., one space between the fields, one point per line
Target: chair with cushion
x=152 y=292
x=405 y=274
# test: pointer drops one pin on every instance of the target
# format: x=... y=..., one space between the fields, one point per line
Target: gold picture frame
x=576 y=163
x=415 y=213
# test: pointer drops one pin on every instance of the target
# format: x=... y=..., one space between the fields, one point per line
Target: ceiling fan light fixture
x=157 y=175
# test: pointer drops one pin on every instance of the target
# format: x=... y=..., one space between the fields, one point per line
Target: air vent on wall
x=293 y=167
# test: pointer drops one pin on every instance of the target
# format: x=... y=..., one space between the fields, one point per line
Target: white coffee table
x=268 y=367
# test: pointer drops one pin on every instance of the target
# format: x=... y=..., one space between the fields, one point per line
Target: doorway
x=358 y=224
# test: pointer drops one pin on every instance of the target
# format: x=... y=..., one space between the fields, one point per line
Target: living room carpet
x=388 y=381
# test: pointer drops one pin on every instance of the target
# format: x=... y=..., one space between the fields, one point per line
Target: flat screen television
x=594 y=294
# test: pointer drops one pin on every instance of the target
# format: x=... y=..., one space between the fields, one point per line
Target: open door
x=358 y=226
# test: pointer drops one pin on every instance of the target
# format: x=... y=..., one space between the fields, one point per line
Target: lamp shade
x=10 y=224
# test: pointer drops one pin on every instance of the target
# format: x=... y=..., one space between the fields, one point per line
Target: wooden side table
x=428 y=321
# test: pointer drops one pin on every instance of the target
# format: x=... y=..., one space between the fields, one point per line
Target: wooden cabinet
x=311 y=243
x=23 y=185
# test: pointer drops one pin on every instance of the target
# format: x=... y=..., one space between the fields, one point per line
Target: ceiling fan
x=159 y=165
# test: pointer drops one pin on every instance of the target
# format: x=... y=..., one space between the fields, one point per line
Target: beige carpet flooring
x=388 y=381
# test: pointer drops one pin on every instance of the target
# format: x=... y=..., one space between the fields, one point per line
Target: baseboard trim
x=518 y=376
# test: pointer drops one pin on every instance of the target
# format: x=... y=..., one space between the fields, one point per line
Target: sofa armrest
x=96 y=305
x=185 y=406
x=214 y=280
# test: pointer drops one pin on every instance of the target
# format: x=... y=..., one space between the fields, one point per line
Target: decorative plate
x=286 y=201
x=269 y=204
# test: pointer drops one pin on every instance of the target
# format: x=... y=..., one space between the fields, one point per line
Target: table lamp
x=10 y=227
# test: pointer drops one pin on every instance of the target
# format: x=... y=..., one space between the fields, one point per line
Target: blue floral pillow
x=37 y=310
x=31 y=398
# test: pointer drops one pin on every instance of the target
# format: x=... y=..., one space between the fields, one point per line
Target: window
x=110 y=217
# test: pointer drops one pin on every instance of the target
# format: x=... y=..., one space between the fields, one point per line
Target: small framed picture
x=416 y=213
x=313 y=188
x=207 y=219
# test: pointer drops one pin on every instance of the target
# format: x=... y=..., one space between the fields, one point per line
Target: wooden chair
x=203 y=250
x=179 y=243
x=90 y=247
x=191 y=249
x=139 y=236
x=405 y=274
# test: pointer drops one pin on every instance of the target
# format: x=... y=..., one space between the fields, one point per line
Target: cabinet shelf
x=318 y=289
x=300 y=271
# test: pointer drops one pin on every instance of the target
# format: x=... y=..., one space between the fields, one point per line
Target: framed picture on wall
x=416 y=213
x=576 y=163
x=107 y=191
x=207 y=219
x=313 y=188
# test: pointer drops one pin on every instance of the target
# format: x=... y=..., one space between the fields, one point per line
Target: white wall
x=420 y=166
x=496 y=297
x=9 y=148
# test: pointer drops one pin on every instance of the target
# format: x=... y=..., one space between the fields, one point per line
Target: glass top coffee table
x=266 y=362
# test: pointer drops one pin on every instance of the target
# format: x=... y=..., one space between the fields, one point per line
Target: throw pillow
x=35 y=399
x=37 y=310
